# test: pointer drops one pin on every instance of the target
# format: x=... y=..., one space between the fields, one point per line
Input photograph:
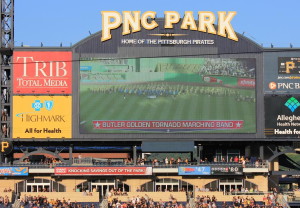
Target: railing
x=192 y=202
x=249 y=193
x=247 y=165
x=86 y=160
x=104 y=203
x=284 y=203
x=92 y=162
x=35 y=165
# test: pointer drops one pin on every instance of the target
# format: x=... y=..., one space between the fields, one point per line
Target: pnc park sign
x=133 y=21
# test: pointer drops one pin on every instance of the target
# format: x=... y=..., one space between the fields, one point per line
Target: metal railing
x=92 y=162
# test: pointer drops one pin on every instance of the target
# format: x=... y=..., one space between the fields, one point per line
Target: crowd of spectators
x=171 y=161
x=167 y=161
x=42 y=201
x=168 y=89
x=256 y=162
x=205 y=201
x=4 y=201
x=7 y=190
x=227 y=67
x=144 y=202
x=117 y=192
x=240 y=201
x=45 y=161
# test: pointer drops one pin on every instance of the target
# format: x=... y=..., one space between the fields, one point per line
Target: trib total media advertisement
x=36 y=75
x=38 y=72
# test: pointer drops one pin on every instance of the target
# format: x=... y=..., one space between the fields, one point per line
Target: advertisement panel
x=192 y=170
x=226 y=170
x=284 y=78
x=42 y=117
x=13 y=171
x=42 y=72
x=103 y=171
x=246 y=82
x=167 y=95
x=282 y=116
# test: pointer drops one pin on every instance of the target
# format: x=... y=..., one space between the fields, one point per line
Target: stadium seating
x=297 y=195
x=73 y=196
x=3 y=194
x=156 y=196
x=221 y=197
x=78 y=204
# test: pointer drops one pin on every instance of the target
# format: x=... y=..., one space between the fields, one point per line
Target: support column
x=247 y=151
x=261 y=152
x=200 y=148
x=134 y=155
x=71 y=154
x=195 y=154
x=137 y=65
x=6 y=45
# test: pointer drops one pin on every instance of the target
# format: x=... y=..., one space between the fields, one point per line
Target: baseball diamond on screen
x=167 y=95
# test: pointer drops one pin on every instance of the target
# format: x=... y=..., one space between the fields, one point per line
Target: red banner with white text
x=103 y=171
x=192 y=124
x=42 y=72
x=246 y=83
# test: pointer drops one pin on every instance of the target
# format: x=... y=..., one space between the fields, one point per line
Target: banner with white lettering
x=281 y=75
x=103 y=171
x=282 y=116
x=42 y=72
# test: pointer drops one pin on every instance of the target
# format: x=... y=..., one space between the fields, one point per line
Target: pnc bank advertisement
x=42 y=117
x=40 y=72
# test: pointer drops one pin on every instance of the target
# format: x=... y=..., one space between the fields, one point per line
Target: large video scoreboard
x=140 y=87
x=167 y=95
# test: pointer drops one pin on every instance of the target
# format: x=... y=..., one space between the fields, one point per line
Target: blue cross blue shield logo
x=37 y=105
x=49 y=104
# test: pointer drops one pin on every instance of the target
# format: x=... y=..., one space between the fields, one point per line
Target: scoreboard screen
x=167 y=95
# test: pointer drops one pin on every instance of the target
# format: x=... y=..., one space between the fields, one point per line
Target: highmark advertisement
x=167 y=95
x=42 y=117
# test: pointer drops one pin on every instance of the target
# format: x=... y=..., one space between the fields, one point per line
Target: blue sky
x=69 y=21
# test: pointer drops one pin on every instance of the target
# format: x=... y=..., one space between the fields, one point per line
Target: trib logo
x=46 y=69
x=274 y=85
